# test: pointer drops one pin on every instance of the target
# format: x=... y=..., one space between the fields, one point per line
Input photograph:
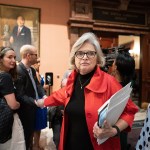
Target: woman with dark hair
x=41 y=113
x=123 y=69
x=7 y=76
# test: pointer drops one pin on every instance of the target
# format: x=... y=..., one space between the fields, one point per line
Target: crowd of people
x=84 y=89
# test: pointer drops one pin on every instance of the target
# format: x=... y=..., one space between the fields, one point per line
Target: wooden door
x=145 y=66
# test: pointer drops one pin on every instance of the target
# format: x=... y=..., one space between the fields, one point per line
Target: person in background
x=123 y=69
x=20 y=36
x=41 y=113
x=40 y=78
x=29 y=90
x=7 y=90
x=143 y=142
x=87 y=89
x=57 y=114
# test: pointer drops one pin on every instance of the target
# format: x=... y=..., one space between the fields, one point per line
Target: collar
x=25 y=68
x=28 y=69
x=20 y=28
x=98 y=83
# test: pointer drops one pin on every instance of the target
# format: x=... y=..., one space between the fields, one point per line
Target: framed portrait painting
x=19 y=26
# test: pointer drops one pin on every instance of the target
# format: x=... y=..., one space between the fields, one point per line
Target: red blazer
x=101 y=87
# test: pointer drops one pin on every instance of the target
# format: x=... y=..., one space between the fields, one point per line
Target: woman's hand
x=40 y=103
x=105 y=132
x=45 y=96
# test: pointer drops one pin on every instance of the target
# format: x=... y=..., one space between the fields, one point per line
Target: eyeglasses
x=34 y=54
x=89 y=54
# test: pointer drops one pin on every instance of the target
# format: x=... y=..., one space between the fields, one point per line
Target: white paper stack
x=113 y=108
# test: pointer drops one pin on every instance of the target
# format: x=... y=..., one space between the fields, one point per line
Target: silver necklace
x=82 y=85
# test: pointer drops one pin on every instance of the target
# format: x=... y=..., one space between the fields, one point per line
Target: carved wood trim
x=82 y=17
x=81 y=9
x=123 y=4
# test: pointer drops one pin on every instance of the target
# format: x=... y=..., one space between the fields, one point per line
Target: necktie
x=18 y=31
x=33 y=82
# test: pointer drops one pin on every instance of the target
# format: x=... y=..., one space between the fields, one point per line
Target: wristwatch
x=118 y=130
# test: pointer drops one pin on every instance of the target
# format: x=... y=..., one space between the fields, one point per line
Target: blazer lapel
x=25 y=70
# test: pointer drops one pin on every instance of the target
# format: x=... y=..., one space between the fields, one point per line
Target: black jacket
x=23 y=38
x=26 y=96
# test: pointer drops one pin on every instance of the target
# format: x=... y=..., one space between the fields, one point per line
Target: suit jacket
x=23 y=38
x=26 y=96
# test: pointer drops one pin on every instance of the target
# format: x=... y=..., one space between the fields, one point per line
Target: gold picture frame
x=8 y=21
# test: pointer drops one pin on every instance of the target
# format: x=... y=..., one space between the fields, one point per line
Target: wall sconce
x=134 y=53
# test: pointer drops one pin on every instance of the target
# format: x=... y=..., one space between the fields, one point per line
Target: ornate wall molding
x=82 y=17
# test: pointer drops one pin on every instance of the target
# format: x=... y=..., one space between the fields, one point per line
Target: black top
x=6 y=84
x=78 y=137
x=6 y=87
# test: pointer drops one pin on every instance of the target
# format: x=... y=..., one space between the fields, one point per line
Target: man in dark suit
x=20 y=36
x=28 y=91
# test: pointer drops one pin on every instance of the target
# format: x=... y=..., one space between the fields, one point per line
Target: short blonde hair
x=26 y=49
x=91 y=38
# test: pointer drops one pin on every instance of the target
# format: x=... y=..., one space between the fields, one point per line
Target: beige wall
x=54 y=39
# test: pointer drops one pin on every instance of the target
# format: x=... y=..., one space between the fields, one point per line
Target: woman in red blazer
x=87 y=89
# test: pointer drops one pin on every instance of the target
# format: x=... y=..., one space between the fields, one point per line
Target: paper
x=113 y=108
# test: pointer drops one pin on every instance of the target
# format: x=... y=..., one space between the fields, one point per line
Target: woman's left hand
x=105 y=132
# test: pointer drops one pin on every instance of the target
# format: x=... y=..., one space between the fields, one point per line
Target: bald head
x=29 y=55
x=26 y=49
